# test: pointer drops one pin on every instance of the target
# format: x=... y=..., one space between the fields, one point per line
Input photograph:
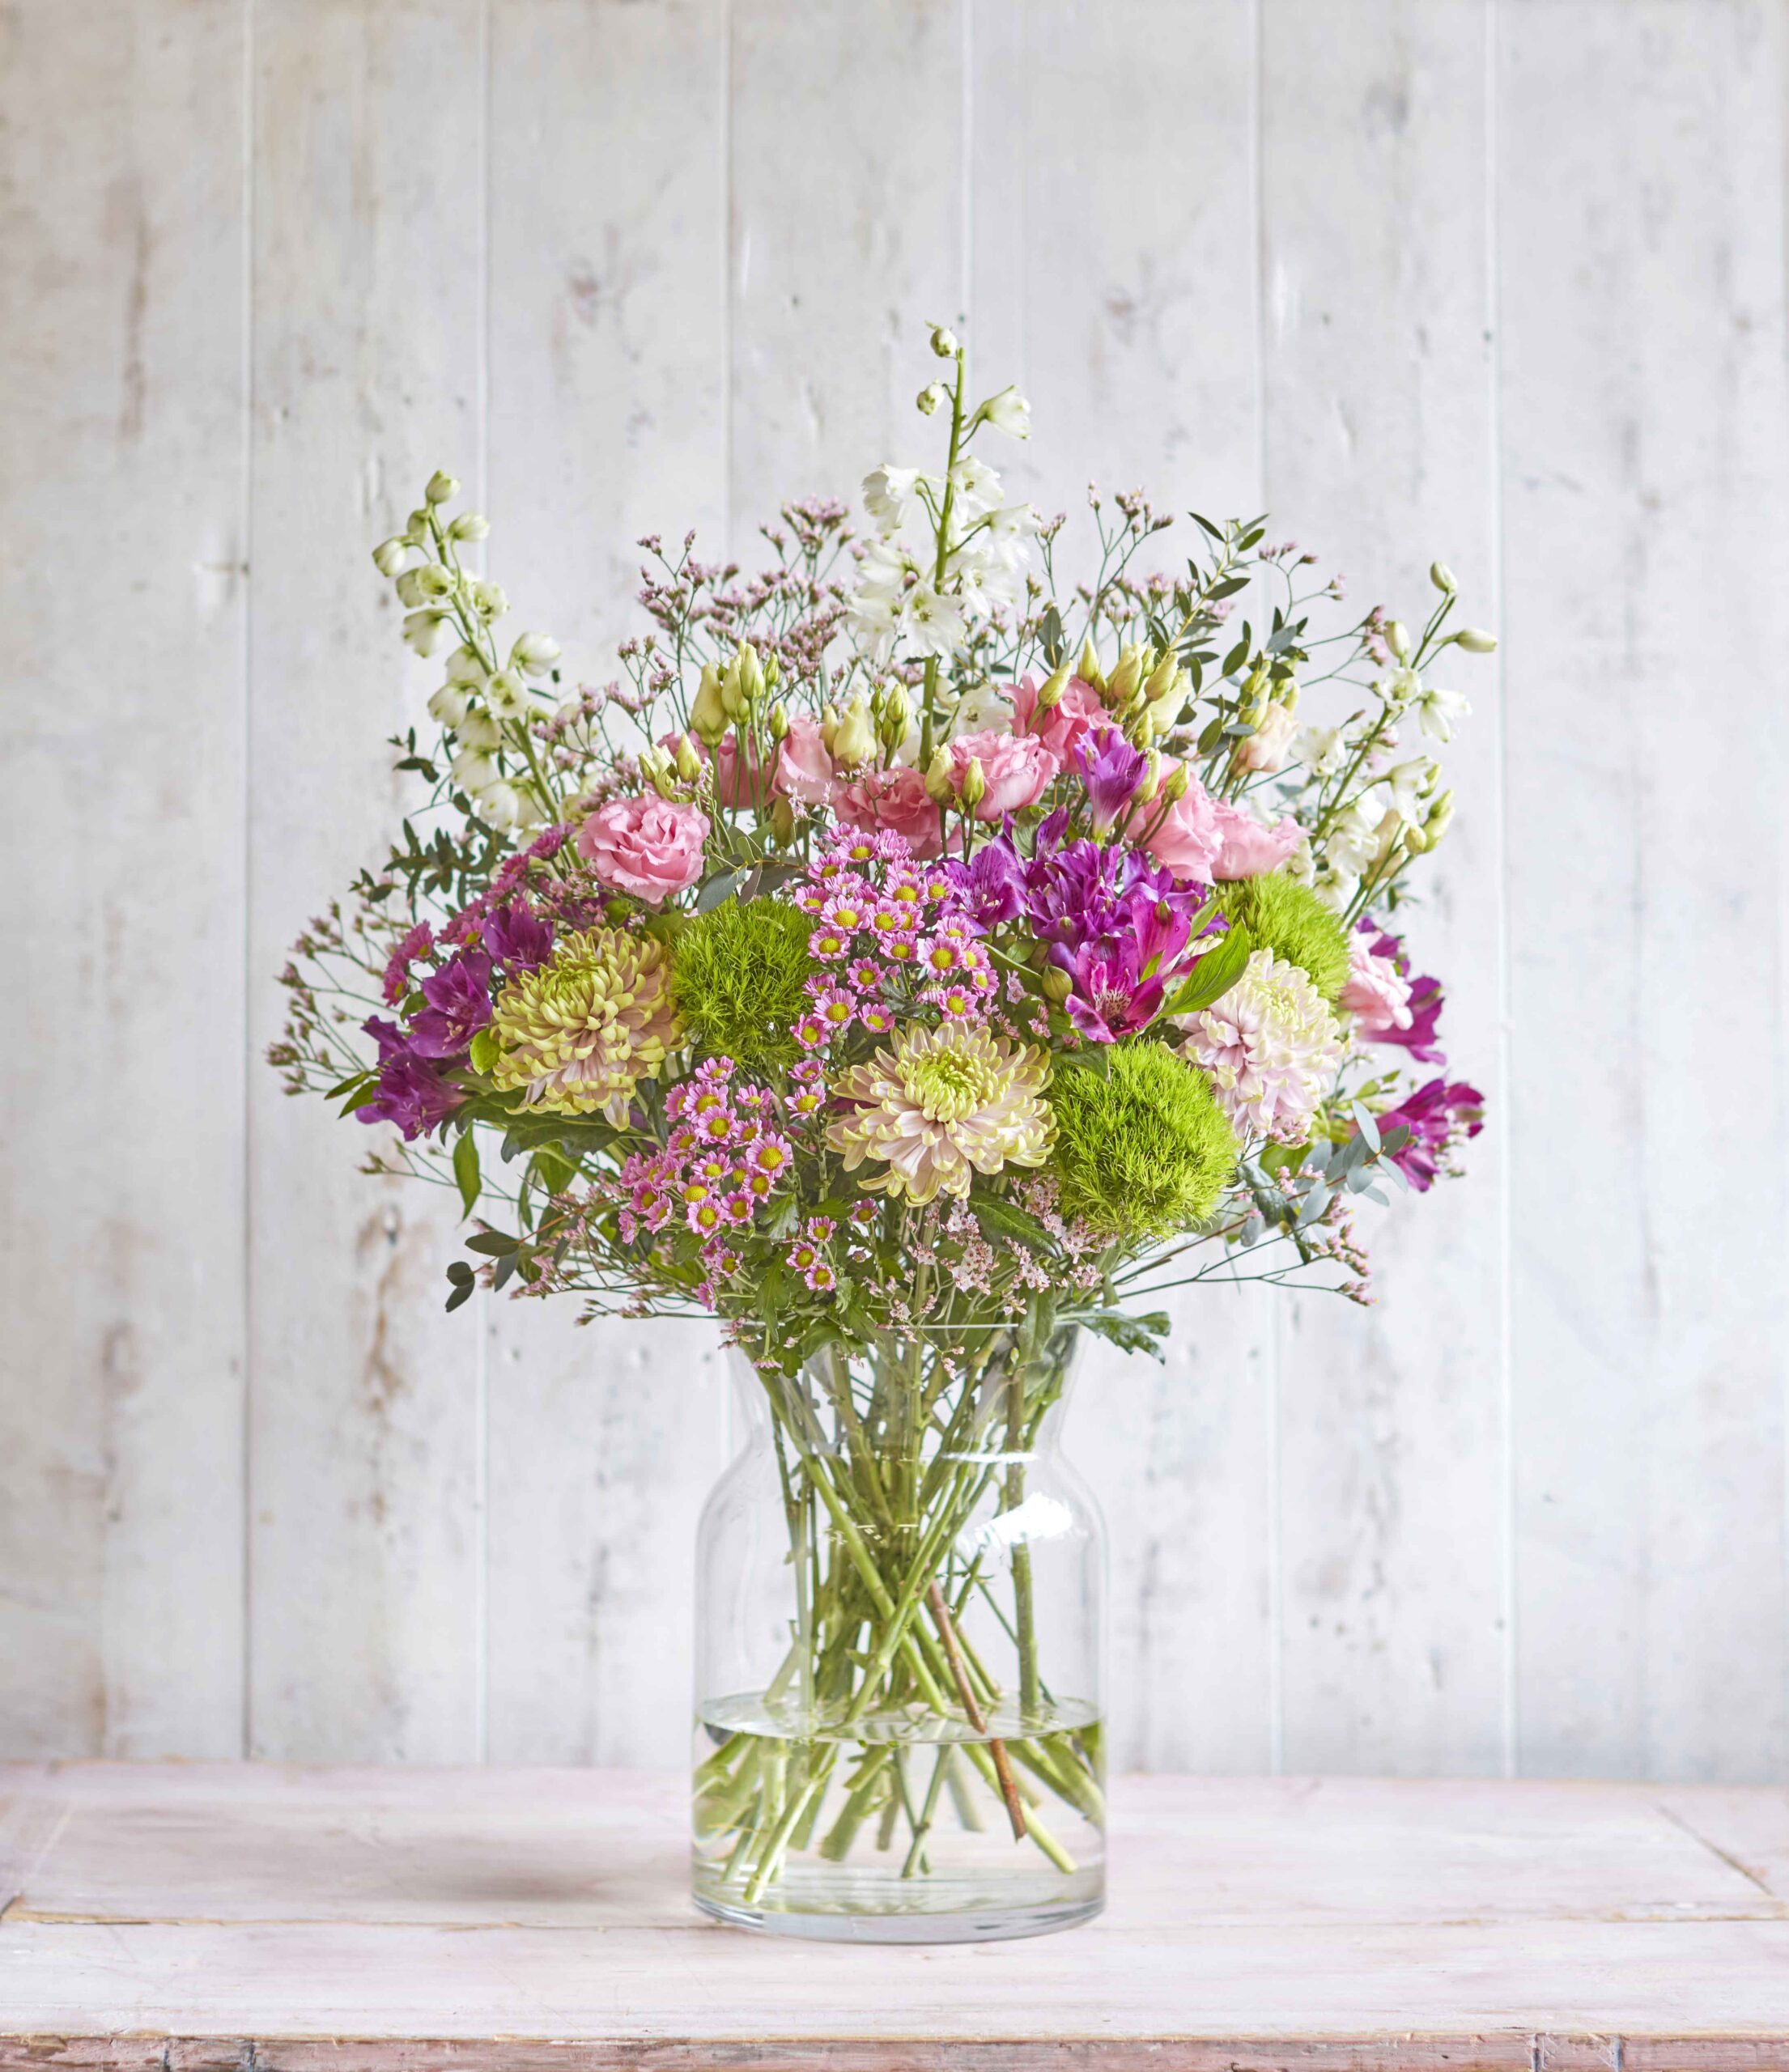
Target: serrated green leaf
x=1004 y=1219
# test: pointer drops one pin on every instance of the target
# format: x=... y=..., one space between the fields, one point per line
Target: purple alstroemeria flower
x=990 y=888
x=1119 y=928
x=417 y=943
x=459 y=1006
x=1425 y=1000
x=1112 y=770
x=411 y=1092
x=517 y=937
x=1438 y=1116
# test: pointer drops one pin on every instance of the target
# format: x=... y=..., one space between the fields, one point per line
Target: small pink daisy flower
x=804 y=1256
x=940 y=956
x=863 y=1213
x=811 y=1032
x=865 y=973
x=808 y=1101
x=829 y=942
x=740 y=1207
x=900 y=950
x=703 y=1217
x=844 y=912
x=820 y=1277
x=820 y=1228
x=875 y=1018
x=836 y=1007
x=958 y=1003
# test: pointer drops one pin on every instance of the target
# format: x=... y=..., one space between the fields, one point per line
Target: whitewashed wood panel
x=608 y=389
x=1376 y=345
x=364 y=1565
x=844 y=181
x=122 y=539
x=1114 y=279
x=1640 y=156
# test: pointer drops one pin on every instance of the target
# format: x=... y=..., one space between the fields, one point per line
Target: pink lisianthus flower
x=1377 y=993
x=1017 y=769
x=739 y=781
x=1064 y=723
x=649 y=847
x=1246 y=848
x=804 y=774
x=895 y=800
x=1186 y=838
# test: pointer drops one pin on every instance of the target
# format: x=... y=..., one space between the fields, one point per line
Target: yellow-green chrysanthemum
x=578 y=1035
x=940 y=1105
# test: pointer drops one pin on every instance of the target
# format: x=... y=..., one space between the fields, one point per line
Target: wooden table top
x=167 y=1917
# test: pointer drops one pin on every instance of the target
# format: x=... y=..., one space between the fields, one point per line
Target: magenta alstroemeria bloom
x=1425 y=1000
x=517 y=937
x=991 y=887
x=459 y=1006
x=417 y=943
x=1120 y=928
x=1112 y=770
x=1438 y=1116
x=411 y=1094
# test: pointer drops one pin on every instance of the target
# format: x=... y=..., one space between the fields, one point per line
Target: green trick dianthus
x=738 y=978
x=1287 y=918
x=1142 y=1148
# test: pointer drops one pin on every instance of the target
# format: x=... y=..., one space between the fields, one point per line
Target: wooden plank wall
x=1497 y=280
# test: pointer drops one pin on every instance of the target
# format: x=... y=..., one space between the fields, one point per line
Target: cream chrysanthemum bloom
x=1271 y=1047
x=577 y=1034
x=940 y=1105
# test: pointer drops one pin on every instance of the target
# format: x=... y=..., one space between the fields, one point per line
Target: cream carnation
x=1271 y=1047
x=578 y=1034
x=941 y=1104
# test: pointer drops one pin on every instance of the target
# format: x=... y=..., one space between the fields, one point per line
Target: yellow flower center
x=948 y=1086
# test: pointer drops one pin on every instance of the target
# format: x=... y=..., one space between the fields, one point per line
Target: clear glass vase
x=900 y=1591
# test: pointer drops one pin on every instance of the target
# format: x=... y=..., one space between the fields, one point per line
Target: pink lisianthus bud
x=651 y=846
x=804 y=771
x=895 y=800
x=1016 y=771
x=1186 y=838
x=1058 y=726
x=740 y=780
x=1266 y=748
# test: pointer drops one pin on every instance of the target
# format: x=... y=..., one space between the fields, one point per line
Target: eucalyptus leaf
x=465 y=1171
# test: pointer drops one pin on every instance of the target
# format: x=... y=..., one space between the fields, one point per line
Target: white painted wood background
x=1497 y=280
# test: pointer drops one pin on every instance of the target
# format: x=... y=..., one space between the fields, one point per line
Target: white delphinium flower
x=978 y=488
x=1009 y=412
x=449 y=704
x=1322 y=751
x=423 y=631
x=984 y=709
x=479 y=730
x=1353 y=837
x=890 y=494
x=474 y=771
x=1437 y=711
x=465 y=667
x=931 y=623
x=1271 y=1048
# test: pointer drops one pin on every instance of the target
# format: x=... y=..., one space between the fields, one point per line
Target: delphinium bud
x=469 y=525
x=387 y=557
x=931 y=399
x=442 y=487
x=944 y=342
x=1397 y=639
x=1442 y=577
x=1476 y=640
x=417 y=531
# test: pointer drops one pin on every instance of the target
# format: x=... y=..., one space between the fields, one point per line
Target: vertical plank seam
x=1275 y=1610
x=1511 y=1691
x=480 y=1358
x=246 y=491
x=728 y=274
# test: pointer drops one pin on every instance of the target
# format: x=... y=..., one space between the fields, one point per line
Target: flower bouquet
x=917 y=960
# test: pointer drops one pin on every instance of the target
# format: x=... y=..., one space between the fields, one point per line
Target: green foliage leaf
x=493 y=1243
x=1146 y=1334
x=465 y=1171
x=485 y=1051
x=1004 y=1219
x=1214 y=975
x=718 y=888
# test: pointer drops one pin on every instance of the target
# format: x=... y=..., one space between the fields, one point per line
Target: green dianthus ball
x=1287 y=918
x=738 y=977
x=1142 y=1148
